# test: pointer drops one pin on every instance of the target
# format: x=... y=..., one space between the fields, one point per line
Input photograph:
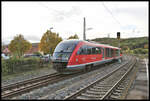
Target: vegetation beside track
x=133 y=46
x=15 y=66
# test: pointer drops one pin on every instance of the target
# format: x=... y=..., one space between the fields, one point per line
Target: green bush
x=4 y=67
x=13 y=65
x=140 y=51
x=37 y=53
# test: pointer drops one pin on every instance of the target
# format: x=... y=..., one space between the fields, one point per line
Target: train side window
x=93 y=50
x=98 y=50
x=103 y=52
x=79 y=51
x=120 y=51
x=107 y=52
x=111 y=52
x=84 y=49
x=89 y=50
x=117 y=52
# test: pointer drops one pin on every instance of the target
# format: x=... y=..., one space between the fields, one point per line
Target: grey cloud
x=139 y=12
x=32 y=38
x=128 y=27
x=62 y=14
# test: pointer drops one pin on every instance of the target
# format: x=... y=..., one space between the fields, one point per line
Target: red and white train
x=75 y=55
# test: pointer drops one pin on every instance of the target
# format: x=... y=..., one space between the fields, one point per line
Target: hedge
x=14 y=65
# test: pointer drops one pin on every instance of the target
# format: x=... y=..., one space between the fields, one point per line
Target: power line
x=111 y=13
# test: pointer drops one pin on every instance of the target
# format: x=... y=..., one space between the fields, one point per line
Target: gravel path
x=63 y=88
x=28 y=75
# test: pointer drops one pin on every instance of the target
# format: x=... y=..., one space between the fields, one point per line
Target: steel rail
x=98 y=80
x=20 y=83
x=119 y=81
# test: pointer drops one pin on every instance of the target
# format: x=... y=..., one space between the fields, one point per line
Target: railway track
x=112 y=86
x=21 y=87
x=28 y=85
x=20 y=83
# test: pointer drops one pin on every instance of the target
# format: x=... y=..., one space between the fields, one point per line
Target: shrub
x=37 y=53
x=13 y=64
x=4 y=67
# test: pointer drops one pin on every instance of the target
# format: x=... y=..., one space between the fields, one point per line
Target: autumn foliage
x=74 y=37
x=49 y=41
x=18 y=46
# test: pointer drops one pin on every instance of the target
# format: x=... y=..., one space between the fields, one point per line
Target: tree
x=146 y=46
x=49 y=41
x=18 y=46
x=74 y=37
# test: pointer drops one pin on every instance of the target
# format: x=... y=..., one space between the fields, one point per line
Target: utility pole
x=84 y=29
x=118 y=37
x=108 y=35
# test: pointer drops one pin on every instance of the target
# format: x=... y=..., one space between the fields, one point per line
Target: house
x=33 y=49
x=5 y=50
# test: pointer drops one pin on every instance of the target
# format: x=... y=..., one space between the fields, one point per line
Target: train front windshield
x=64 y=50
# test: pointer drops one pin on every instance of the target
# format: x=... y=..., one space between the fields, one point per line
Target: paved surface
x=140 y=87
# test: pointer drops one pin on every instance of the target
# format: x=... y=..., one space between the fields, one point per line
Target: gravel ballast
x=63 y=88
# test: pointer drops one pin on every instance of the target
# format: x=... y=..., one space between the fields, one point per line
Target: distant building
x=5 y=50
x=33 y=49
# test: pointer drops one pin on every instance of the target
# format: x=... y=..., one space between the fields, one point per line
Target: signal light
x=118 y=35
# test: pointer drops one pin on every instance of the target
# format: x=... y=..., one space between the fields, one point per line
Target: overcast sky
x=33 y=19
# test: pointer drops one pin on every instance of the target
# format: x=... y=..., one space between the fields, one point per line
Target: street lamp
x=85 y=29
x=89 y=28
x=51 y=28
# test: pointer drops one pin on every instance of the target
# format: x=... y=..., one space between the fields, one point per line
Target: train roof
x=76 y=41
x=99 y=44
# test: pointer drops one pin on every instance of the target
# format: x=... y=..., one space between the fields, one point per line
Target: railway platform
x=140 y=87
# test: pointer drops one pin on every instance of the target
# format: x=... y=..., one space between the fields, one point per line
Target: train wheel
x=88 y=67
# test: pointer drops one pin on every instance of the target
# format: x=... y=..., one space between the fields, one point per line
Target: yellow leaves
x=146 y=46
x=49 y=41
x=74 y=37
x=19 y=45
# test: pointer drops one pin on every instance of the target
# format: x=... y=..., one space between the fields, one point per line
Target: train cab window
x=65 y=47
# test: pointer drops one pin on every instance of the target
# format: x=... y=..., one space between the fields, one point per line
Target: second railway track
x=109 y=87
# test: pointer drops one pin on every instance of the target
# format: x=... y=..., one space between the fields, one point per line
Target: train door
x=103 y=54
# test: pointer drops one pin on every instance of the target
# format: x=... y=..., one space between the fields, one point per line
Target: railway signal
x=118 y=37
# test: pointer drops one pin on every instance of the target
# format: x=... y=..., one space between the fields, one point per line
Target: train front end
x=62 y=54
